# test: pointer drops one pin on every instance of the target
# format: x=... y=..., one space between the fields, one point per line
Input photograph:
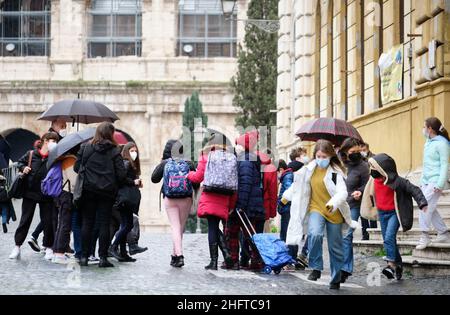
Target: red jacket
x=210 y=203
x=270 y=184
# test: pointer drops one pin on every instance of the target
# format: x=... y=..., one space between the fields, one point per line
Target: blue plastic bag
x=273 y=251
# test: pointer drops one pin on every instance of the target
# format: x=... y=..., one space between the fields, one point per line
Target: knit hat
x=248 y=140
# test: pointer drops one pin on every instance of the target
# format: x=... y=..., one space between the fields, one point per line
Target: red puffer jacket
x=270 y=184
x=211 y=203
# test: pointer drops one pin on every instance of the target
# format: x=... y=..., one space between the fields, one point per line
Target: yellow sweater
x=320 y=197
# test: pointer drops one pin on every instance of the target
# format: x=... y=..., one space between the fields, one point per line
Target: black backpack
x=100 y=176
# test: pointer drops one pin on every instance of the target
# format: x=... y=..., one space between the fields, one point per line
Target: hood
x=384 y=164
x=248 y=140
x=295 y=166
x=265 y=158
x=104 y=145
x=439 y=138
x=168 y=149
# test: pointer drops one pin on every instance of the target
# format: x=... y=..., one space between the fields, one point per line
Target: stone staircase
x=433 y=261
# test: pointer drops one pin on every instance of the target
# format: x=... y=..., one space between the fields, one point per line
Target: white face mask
x=364 y=154
x=425 y=132
x=51 y=145
x=305 y=160
x=133 y=155
x=63 y=132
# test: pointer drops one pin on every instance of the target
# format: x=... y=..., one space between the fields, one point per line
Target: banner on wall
x=391 y=75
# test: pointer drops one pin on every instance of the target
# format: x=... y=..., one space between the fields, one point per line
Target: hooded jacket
x=104 y=168
x=270 y=185
x=435 y=162
x=286 y=180
x=299 y=194
x=250 y=192
x=404 y=192
x=295 y=166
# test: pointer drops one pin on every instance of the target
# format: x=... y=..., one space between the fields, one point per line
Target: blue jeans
x=285 y=217
x=389 y=228
x=76 y=229
x=4 y=212
x=348 y=243
x=316 y=229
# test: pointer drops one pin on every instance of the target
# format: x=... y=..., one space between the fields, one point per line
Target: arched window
x=24 y=28
x=115 y=28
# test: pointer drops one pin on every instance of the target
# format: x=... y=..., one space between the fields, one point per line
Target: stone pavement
x=151 y=274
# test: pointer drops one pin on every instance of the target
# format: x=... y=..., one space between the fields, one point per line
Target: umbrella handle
x=73 y=121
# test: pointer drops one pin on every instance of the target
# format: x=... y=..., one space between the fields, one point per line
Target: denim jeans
x=348 y=243
x=285 y=217
x=316 y=229
x=389 y=227
x=4 y=212
x=76 y=230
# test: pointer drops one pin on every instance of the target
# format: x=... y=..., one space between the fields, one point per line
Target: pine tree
x=193 y=109
x=255 y=83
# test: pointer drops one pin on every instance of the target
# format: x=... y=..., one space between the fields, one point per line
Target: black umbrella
x=79 y=111
x=68 y=143
x=20 y=141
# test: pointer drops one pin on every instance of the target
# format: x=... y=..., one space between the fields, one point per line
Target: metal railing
x=10 y=174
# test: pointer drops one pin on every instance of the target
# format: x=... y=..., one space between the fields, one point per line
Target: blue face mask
x=323 y=163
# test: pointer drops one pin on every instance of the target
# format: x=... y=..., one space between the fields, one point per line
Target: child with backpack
x=177 y=192
x=217 y=169
x=388 y=198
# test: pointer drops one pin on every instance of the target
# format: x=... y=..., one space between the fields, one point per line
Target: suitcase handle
x=246 y=223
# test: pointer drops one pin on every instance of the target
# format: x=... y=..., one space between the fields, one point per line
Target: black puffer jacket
x=34 y=178
x=358 y=174
x=404 y=190
x=105 y=169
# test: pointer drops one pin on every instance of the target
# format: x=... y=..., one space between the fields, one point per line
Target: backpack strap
x=64 y=185
x=334 y=178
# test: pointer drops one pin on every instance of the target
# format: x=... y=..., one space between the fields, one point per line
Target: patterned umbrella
x=334 y=130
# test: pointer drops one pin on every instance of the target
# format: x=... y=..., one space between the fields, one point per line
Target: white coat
x=299 y=194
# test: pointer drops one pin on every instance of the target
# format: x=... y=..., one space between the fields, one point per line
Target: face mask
x=364 y=154
x=305 y=160
x=375 y=174
x=426 y=133
x=133 y=155
x=51 y=145
x=355 y=157
x=63 y=132
x=323 y=163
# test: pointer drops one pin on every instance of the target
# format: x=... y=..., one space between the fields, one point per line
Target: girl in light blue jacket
x=434 y=180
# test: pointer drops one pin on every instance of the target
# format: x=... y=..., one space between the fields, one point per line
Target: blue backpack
x=52 y=184
x=176 y=185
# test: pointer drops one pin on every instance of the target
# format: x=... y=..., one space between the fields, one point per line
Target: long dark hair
x=136 y=164
x=105 y=131
x=327 y=147
x=437 y=126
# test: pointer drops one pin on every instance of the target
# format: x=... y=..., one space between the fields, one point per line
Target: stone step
x=411 y=235
x=435 y=250
x=446 y=219
x=423 y=267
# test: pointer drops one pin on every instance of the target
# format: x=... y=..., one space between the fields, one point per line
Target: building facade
x=141 y=58
x=329 y=55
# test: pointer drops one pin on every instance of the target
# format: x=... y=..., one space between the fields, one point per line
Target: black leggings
x=213 y=229
x=126 y=225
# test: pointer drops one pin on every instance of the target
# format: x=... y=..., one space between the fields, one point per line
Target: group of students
x=80 y=193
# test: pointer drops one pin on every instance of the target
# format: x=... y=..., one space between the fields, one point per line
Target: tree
x=193 y=109
x=255 y=83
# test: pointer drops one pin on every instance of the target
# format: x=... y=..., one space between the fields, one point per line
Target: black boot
x=124 y=254
x=104 y=263
x=179 y=261
x=223 y=245
x=214 y=254
x=113 y=251
x=83 y=261
x=173 y=260
x=5 y=228
x=136 y=249
x=315 y=274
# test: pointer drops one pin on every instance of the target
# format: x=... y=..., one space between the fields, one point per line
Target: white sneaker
x=424 y=242
x=15 y=254
x=442 y=238
x=48 y=254
x=62 y=260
